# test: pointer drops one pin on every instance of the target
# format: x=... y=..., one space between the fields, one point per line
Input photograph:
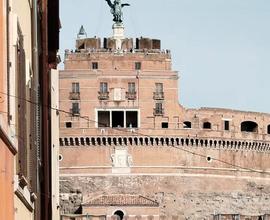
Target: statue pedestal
x=118 y=34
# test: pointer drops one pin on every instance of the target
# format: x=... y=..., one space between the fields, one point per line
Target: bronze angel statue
x=116 y=10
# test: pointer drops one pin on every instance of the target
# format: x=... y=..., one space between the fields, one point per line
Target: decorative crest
x=116 y=10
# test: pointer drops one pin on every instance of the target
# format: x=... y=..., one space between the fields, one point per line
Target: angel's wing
x=109 y=3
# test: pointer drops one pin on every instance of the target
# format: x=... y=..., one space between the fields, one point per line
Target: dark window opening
x=138 y=65
x=207 y=125
x=131 y=119
x=68 y=124
x=117 y=119
x=75 y=109
x=94 y=65
x=165 y=125
x=249 y=126
x=187 y=124
x=268 y=129
x=226 y=125
x=103 y=119
x=119 y=214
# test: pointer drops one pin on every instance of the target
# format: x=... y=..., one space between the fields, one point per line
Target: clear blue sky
x=221 y=48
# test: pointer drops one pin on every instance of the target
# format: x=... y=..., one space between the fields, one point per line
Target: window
x=75 y=108
x=68 y=124
x=75 y=87
x=103 y=119
x=119 y=214
x=226 y=125
x=131 y=119
x=117 y=119
x=138 y=65
x=131 y=87
x=158 y=110
x=103 y=87
x=159 y=87
x=249 y=126
x=158 y=94
x=207 y=125
x=164 y=125
x=94 y=65
x=268 y=129
x=187 y=124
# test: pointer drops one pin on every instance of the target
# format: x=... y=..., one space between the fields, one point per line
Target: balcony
x=131 y=95
x=158 y=96
x=103 y=95
x=158 y=111
x=74 y=96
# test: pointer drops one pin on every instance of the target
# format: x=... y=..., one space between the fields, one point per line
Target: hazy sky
x=221 y=48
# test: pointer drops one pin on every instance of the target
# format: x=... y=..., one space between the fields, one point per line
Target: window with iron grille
x=138 y=65
x=94 y=65
x=75 y=87
x=75 y=108
x=159 y=109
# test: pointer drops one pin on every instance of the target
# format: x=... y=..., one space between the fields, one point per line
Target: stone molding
x=213 y=143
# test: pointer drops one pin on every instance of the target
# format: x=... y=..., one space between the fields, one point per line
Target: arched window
x=207 y=125
x=249 y=126
x=268 y=129
x=187 y=124
x=119 y=214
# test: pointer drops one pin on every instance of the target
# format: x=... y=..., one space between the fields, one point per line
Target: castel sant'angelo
x=129 y=149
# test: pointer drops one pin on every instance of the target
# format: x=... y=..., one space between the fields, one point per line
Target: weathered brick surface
x=189 y=197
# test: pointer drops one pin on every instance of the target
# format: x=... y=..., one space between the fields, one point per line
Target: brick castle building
x=128 y=148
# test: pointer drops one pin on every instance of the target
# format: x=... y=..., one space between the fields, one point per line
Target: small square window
x=94 y=65
x=165 y=125
x=68 y=124
x=138 y=65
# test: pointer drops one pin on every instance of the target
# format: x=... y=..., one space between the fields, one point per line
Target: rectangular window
x=158 y=110
x=103 y=119
x=117 y=119
x=164 y=125
x=131 y=87
x=68 y=124
x=159 y=87
x=226 y=125
x=75 y=87
x=138 y=65
x=131 y=119
x=103 y=87
x=75 y=108
x=94 y=65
